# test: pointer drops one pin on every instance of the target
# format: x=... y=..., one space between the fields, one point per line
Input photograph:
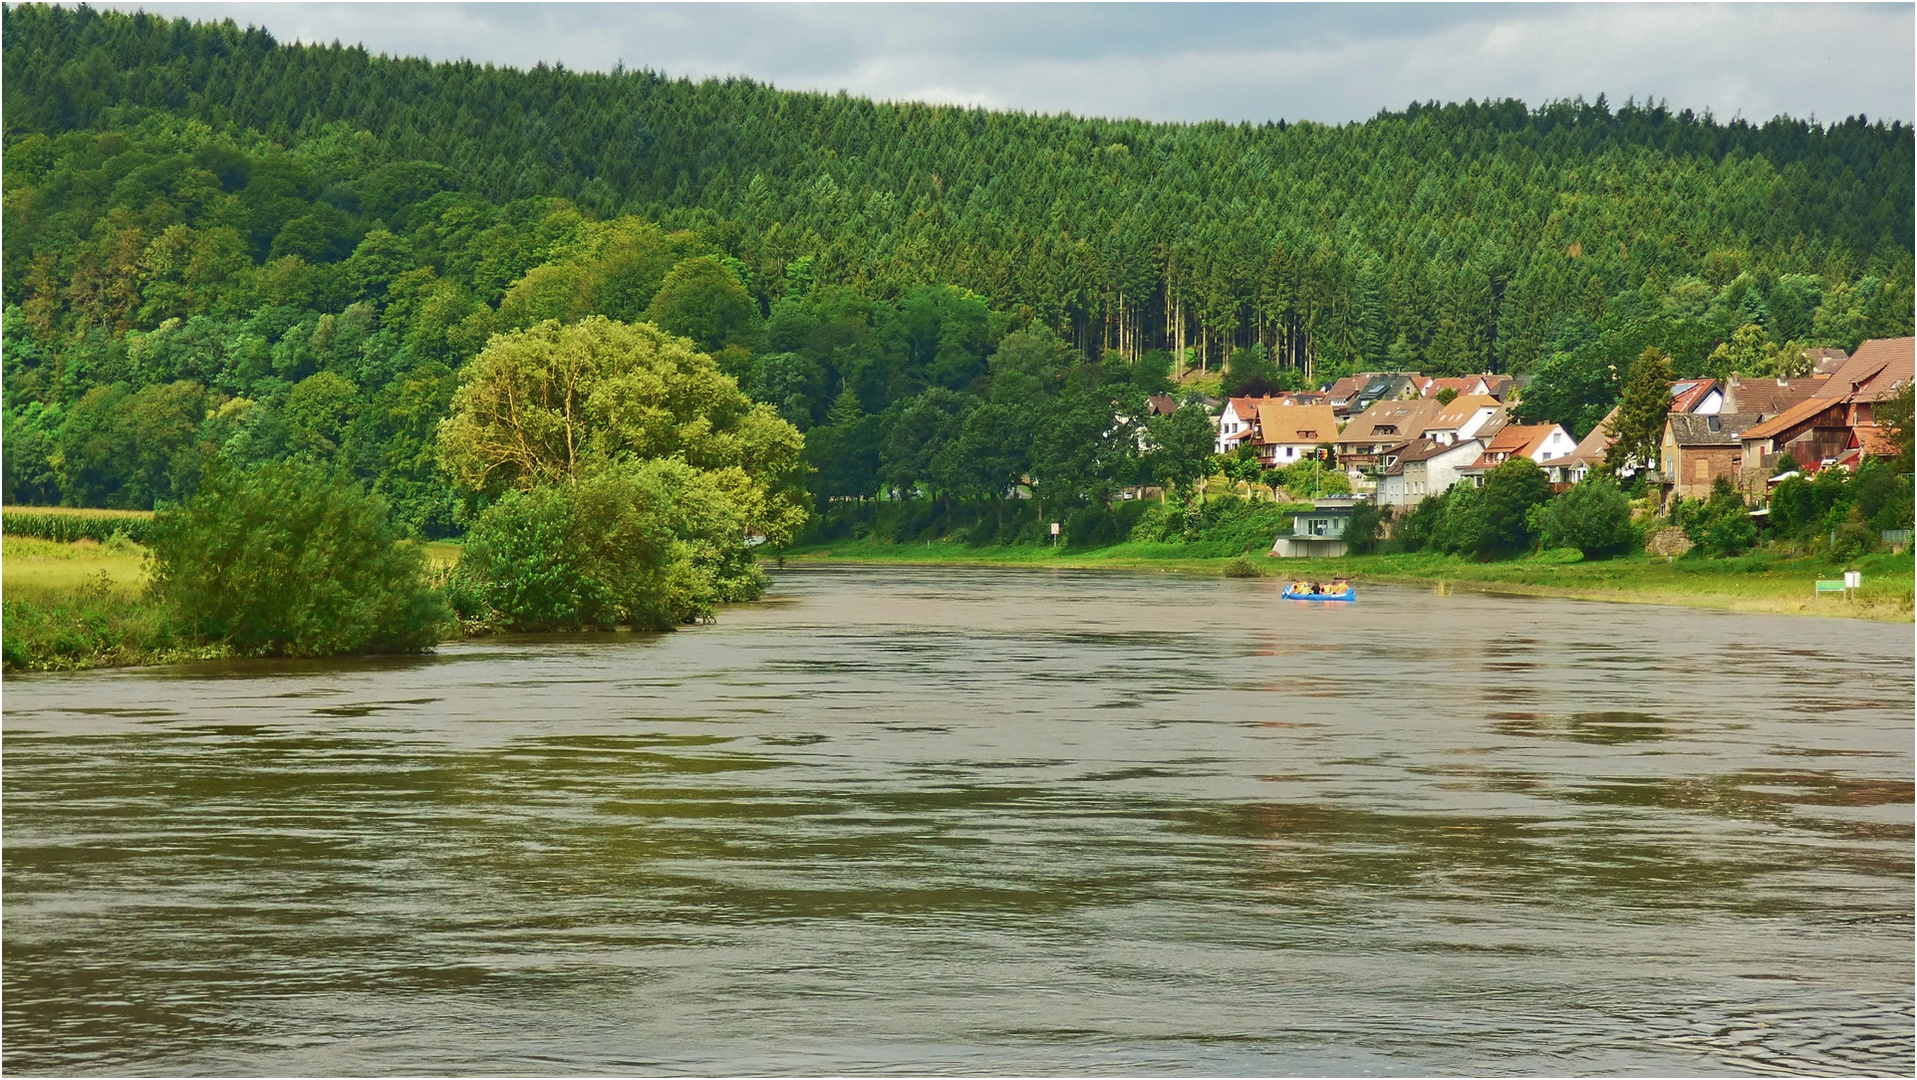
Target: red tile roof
x=1769 y=396
x=1873 y=440
x=1511 y=441
x=1688 y=394
x=1297 y=424
x=1247 y=407
x=1877 y=369
x=1347 y=388
x=1430 y=387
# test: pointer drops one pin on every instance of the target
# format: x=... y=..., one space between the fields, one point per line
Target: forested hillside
x=218 y=244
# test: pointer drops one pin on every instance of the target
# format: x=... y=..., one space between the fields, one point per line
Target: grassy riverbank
x=1760 y=582
x=83 y=605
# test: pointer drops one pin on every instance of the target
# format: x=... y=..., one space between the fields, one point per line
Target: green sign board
x=1830 y=586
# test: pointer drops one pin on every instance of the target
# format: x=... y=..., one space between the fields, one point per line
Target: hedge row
x=68 y=526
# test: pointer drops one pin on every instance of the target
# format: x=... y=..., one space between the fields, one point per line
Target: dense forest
x=222 y=246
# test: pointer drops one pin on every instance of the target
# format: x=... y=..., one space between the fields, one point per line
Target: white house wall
x=1229 y=423
x=1558 y=444
x=1470 y=428
x=1441 y=472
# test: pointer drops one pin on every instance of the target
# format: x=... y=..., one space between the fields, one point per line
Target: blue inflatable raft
x=1314 y=590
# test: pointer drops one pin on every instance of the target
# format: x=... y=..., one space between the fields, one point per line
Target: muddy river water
x=945 y=820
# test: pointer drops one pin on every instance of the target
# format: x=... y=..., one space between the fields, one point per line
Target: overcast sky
x=1183 y=61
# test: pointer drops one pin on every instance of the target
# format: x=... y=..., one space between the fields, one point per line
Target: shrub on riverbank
x=288 y=560
x=1805 y=509
x=1719 y=526
x=1593 y=517
x=650 y=544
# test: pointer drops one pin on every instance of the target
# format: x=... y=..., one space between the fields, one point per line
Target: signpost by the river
x=1853 y=579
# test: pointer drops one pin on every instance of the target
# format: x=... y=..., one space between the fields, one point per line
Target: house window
x=1387 y=429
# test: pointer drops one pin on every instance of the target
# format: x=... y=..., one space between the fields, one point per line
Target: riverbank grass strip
x=1762 y=582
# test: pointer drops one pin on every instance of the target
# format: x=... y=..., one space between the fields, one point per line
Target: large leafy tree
x=1510 y=492
x=700 y=299
x=547 y=404
x=631 y=477
x=1182 y=445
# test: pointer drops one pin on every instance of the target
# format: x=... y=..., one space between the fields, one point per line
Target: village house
x=1304 y=397
x=1699 y=448
x=1867 y=440
x=1424 y=468
x=1590 y=450
x=1287 y=433
x=1354 y=394
x=1386 y=424
x=1462 y=419
x=1237 y=421
x=1487 y=385
x=1340 y=394
x=1877 y=370
x=1547 y=444
x=1689 y=396
x=1812 y=432
x=1696 y=396
x=1317 y=533
x=1838 y=423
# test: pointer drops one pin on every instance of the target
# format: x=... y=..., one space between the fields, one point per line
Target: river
x=920 y=821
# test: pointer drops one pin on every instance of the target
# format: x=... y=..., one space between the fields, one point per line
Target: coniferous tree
x=1641 y=413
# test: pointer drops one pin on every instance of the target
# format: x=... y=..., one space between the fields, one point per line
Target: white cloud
x=1185 y=62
